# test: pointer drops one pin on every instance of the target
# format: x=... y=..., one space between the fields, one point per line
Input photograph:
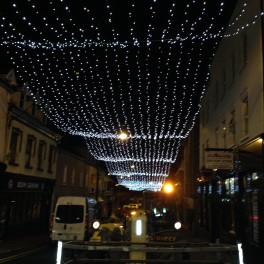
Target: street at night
x=132 y=129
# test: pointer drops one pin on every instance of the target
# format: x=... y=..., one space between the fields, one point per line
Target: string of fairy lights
x=98 y=69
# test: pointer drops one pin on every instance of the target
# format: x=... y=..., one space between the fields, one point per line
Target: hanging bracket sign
x=219 y=160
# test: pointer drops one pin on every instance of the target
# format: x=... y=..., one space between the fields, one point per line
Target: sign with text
x=219 y=160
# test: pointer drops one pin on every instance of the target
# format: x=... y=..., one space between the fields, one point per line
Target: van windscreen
x=69 y=214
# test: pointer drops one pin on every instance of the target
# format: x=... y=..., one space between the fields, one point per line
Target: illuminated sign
x=219 y=160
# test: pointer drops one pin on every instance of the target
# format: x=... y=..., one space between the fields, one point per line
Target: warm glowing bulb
x=168 y=188
x=122 y=136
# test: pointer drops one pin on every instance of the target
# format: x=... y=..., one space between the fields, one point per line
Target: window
x=224 y=132
x=87 y=180
x=65 y=172
x=41 y=154
x=81 y=179
x=15 y=146
x=30 y=150
x=245 y=115
x=232 y=125
x=69 y=214
x=51 y=158
x=73 y=177
x=216 y=137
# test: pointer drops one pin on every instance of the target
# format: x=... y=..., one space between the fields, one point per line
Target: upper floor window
x=245 y=125
x=224 y=132
x=52 y=158
x=30 y=150
x=86 y=180
x=216 y=137
x=232 y=125
x=81 y=179
x=73 y=177
x=41 y=154
x=14 y=146
x=65 y=174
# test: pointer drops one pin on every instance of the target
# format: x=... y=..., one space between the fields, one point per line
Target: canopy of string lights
x=99 y=68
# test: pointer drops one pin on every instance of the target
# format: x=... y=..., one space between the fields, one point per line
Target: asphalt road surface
x=43 y=255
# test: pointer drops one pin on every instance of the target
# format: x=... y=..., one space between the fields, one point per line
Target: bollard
x=138 y=233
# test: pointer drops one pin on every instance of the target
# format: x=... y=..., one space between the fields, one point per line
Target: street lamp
x=168 y=188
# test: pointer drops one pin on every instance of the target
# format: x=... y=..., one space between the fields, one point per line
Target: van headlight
x=96 y=224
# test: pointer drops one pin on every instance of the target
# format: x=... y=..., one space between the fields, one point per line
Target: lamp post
x=170 y=189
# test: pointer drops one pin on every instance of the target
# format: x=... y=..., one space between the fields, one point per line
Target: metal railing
x=150 y=252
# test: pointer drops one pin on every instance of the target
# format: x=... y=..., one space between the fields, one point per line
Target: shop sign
x=219 y=160
x=164 y=236
x=17 y=184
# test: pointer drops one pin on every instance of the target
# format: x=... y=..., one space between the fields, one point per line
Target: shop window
x=41 y=154
x=230 y=186
x=30 y=151
x=14 y=146
x=52 y=158
x=219 y=187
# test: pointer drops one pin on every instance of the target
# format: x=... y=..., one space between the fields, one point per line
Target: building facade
x=28 y=158
x=36 y=166
x=78 y=173
x=232 y=127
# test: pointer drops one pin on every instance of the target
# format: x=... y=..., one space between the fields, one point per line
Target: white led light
x=138 y=227
x=92 y=76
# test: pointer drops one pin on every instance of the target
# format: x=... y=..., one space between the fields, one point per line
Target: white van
x=73 y=218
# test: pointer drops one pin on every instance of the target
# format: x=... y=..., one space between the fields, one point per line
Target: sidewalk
x=20 y=244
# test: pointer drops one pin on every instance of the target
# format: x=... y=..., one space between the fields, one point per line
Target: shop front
x=232 y=201
x=25 y=203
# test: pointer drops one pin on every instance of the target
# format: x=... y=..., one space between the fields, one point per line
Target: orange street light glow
x=168 y=188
